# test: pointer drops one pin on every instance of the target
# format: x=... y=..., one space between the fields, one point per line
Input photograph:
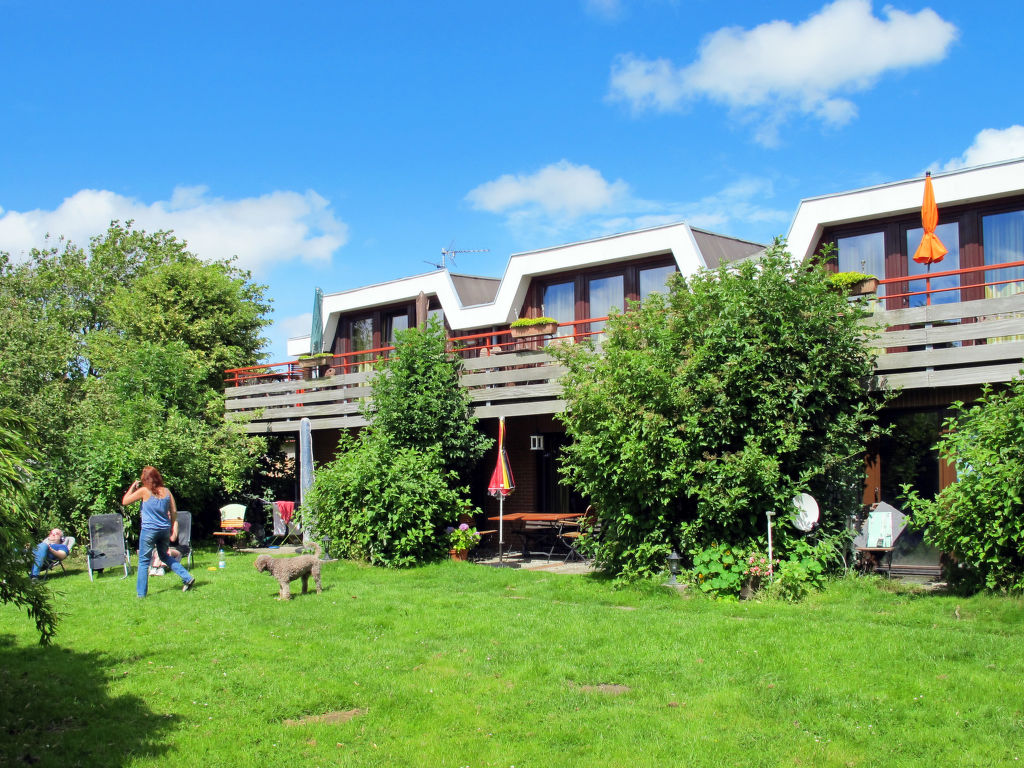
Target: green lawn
x=464 y=665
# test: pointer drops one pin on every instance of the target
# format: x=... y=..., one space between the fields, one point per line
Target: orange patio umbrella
x=931 y=248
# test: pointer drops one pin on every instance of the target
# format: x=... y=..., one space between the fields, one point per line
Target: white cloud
x=535 y=206
x=990 y=146
x=778 y=69
x=558 y=191
x=297 y=325
x=262 y=231
x=608 y=10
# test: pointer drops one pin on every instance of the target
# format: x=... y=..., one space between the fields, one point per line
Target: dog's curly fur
x=288 y=569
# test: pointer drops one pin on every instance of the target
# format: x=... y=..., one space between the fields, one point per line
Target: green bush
x=385 y=506
x=715 y=403
x=979 y=519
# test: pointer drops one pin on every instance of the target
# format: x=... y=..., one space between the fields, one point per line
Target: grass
x=464 y=665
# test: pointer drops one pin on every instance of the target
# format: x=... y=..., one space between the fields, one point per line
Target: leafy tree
x=151 y=405
x=716 y=403
x=388 y=495
x=19 y=526
x=115 y=352
x=417 y=401
x=385 y=506
x=213 y=309
x=979 y=519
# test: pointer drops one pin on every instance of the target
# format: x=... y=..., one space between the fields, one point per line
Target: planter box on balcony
x=864 y=287
x=315 y=362
x=526 y=331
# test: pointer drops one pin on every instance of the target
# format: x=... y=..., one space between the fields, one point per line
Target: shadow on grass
x=56 y=711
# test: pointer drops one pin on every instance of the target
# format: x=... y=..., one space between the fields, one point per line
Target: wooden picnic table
x=544 y=531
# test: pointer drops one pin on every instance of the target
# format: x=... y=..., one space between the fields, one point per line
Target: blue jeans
x=158 y=539
x=42 y=555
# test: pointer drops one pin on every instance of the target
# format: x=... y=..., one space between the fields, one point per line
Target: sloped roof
x=719 y=249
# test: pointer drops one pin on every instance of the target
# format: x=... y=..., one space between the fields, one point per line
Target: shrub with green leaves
x=979 y=519
x=716 y=403
x=19 y=531
x=385 y=506
x=417 y=401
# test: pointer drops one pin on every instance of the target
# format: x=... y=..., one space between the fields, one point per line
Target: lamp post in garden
x=673 y=568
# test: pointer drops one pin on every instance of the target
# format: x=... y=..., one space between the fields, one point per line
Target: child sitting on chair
x=50 y=549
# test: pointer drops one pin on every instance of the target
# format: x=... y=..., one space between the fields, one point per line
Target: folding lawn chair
x=50 y=562
x=108 y=546
x=283 y=528
x=184 y=543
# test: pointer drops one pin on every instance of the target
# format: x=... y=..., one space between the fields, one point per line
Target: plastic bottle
x=220 y=558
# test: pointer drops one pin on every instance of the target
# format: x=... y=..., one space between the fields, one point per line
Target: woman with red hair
x=159 y=527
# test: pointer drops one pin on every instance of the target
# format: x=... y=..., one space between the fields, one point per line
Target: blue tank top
x=156 y=512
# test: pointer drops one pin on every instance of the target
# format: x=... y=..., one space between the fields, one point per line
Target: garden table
x=539 y=528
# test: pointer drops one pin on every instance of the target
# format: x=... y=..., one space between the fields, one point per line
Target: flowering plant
x=757 y=566
x=463 y=538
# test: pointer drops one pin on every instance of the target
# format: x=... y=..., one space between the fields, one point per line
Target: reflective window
x=361 y=337
x=949 y=234
x=559 y=302
x=1003 y=240
x=605 y=293
x=863 y=253
x=653 y=280
x=396 y=323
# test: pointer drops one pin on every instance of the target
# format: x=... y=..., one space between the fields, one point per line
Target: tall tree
x=389 y=494
x=17 y=459
x=714 y=404
x=417 y=401
x=116 y=355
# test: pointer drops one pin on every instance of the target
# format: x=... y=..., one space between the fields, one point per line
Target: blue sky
x=337 y=144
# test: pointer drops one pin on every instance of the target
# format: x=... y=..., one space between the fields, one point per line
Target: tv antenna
x=448 y=254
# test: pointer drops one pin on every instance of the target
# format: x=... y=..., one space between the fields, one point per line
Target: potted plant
x=461 y=540
x=315 y=361
x=525 y=327
x=854 y=283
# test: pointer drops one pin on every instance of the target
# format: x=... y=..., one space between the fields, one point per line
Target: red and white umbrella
x=501 y=485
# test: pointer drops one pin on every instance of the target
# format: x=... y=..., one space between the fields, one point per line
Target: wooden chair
x=232 y=522
x=571 y=532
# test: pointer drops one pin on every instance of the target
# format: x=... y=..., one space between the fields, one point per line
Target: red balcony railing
x=470 y=345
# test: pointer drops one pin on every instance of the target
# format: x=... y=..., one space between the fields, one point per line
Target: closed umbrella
x=931 y=248
x=501 y=485
x=316 y=335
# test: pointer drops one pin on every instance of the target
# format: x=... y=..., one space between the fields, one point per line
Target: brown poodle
x=288 y=569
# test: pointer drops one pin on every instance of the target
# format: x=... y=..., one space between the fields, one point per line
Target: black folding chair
x=108 y=546
x=184 y=543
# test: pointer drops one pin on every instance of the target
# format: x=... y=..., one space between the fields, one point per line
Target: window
x=1003 y=241
x=654 y=280
x=559 y=303
x=605 y=293
x=361 y=337
x=949 y=234
x=396 y=323
x=863 y=253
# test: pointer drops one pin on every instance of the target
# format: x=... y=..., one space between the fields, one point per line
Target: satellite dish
x=806 y=514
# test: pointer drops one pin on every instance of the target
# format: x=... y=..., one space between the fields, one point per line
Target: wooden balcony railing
x=976 y=338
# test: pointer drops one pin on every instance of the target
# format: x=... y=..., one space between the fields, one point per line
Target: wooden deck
x=937 y=346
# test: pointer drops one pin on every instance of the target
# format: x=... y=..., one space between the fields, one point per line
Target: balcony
x=967 y=329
